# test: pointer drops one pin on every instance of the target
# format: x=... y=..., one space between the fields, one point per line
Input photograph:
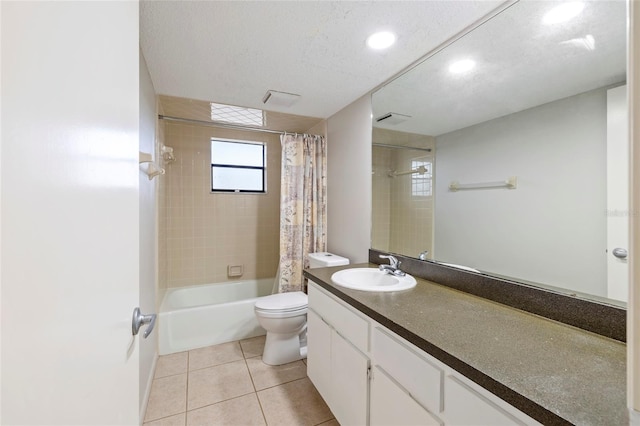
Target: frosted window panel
x=237 y=154
x=225 y=179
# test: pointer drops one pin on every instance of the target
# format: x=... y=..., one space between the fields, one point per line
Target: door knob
x=620 y=253
x=139 y=320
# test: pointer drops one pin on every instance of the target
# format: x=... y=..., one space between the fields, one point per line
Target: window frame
x=263 y=168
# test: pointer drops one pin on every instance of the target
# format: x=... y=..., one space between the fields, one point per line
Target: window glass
x=421 y=180
x=238 y=166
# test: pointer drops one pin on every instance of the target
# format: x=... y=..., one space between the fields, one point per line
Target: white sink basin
x=372 y=279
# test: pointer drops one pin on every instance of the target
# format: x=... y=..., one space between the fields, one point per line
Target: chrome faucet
x=423 y=255
x=393 y=267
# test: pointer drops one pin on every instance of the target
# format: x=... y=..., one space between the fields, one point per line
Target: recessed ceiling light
x=381 y=40
x=462 y=66
x=563 y=12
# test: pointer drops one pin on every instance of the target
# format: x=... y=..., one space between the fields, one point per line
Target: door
x=319 y=355
x=349 y=382
x=617 y=194
x=69 y=213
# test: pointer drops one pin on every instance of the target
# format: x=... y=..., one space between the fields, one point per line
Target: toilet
x=284 y=317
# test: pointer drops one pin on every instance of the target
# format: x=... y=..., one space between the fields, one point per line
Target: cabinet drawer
x=350 y=325
x=412 y=371
x=465 y=406
x=391 y=405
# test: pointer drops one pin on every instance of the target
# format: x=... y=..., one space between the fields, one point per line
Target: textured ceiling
x=521 y=63
x=234 y=51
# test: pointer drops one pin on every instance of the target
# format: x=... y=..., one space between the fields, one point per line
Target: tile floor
x=228 y=384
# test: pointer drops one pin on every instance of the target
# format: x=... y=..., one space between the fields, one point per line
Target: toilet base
x=283 y=348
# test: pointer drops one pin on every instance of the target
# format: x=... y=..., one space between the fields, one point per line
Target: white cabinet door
x=391 y=405
x=464 y=406
x=350 y=382
x=319 y=355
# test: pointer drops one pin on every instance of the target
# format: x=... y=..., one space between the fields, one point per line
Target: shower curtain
x=303 y=209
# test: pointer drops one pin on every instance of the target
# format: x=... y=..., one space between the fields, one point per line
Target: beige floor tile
x=214 y=384
x=295 y=403
x=253 y=347
x=244 y=410
x=332 y=422
x=177 y=420
x=214 y=355
x=265 y=376
x=168 y=396
x=169 y=365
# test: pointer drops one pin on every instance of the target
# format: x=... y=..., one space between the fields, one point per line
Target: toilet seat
x=268 y=313
x=283 y=302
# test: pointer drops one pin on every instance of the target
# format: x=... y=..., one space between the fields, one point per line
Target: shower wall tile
x=402 y=222
x=206 y=232
x=162 y=220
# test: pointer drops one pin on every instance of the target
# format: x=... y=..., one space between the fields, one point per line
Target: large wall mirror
x=506 y=152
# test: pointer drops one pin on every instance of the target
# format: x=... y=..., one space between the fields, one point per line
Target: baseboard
x=147 y=392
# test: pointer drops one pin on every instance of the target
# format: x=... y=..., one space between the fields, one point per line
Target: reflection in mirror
x=526 y=95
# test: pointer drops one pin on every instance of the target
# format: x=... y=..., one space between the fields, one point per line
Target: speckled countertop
x=553 y=372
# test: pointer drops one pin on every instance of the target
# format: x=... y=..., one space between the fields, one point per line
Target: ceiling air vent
x=274 y=97
x=392 y=118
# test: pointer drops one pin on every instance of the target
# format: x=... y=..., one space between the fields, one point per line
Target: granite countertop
x=555 y=373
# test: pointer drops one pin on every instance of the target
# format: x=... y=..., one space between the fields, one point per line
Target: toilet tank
x=324 y=259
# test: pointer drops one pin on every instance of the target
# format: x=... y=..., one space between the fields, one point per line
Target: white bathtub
x=202 y=315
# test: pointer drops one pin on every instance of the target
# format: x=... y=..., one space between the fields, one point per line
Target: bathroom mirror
x=505 y=152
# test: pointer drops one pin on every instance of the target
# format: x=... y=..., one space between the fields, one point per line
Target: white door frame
x=633 y=313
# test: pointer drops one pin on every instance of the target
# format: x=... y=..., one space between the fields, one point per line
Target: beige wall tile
x=401 y=222
x=240 y=227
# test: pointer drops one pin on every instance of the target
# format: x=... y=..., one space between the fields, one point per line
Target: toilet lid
x=283 y=301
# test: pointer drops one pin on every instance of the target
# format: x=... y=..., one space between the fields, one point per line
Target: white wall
x=148 y=231
x=349 y=181
x=552 y=228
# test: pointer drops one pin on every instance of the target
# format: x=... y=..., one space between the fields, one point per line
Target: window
x=421 y=182
x=238 y=166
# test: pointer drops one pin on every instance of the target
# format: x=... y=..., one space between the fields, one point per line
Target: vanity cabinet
x=392 y=405
x=368 y=375
x=338 y=368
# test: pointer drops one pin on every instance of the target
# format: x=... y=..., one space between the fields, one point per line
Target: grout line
x=166 y=417
x=221 y=401
x=186 y=397
x=215 y=365
x=284 y=383
x=250 y=376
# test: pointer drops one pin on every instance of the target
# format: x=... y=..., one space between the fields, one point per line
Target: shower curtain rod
x=400 y=146
x=222 y=125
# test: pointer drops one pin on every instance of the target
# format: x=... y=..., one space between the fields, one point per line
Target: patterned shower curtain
x=303 y=209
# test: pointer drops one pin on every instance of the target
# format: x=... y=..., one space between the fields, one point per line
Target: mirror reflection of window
x=421 y=183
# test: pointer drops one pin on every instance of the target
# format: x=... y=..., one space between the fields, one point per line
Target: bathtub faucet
x=393 y=268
